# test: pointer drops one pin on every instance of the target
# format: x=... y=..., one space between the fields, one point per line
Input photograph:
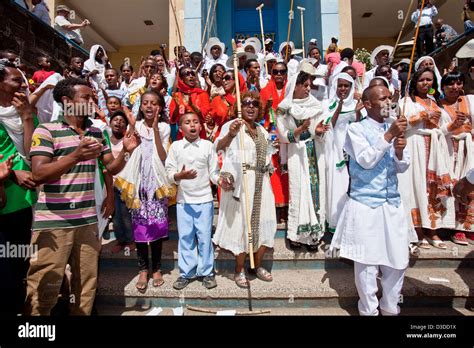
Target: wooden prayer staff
x=290 y=19
x=208 y=311
x=243 y=159
x=259 y=9
x=177 y=24
x=302 y=9
x=407 y=14
x=413 y=54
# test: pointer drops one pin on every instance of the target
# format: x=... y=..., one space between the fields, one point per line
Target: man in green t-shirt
x=19 y=195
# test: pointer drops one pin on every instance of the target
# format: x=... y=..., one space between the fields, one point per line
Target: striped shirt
x=70 y=201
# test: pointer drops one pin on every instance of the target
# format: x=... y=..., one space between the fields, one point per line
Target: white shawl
x=11 y=120
x=92 y=64
x=300 y=109
x=128 y=181
x=436 y=71
x=349 y=103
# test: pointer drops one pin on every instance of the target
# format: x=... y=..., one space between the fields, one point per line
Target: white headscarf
x=349 y=103
x=12 y=122
x=92 y=64
x=436 y=71
x=300 y=109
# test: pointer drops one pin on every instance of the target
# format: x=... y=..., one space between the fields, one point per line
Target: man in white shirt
x=381 y=56
x=192 y=164
x=425 y=35
x=65 y=27
x=41 y=11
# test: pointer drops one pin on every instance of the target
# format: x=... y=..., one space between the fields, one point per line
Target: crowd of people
x=366 y=159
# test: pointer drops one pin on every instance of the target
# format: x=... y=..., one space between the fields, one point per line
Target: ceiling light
x=367 y=14
x=148 y=22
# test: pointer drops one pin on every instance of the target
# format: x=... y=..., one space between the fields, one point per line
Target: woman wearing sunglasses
x=189 y=98
x=272 y=95
x=222 y=107
x=300 y=125
x=229 y=232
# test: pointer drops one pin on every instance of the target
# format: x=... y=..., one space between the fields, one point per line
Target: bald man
x=373 y=228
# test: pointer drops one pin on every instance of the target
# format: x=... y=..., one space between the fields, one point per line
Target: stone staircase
x=438 y=282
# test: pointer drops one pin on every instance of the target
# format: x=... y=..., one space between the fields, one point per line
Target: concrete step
x=282 y=257
x=109 y=310
x=291 y=289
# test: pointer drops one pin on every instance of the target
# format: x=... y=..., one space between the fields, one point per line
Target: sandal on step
x=241 y=280
x=460 y=239
x=264 y=275
x=141 y=284
x=414 y=250
x=423 y=244
x=157 y=282
x=437 y=243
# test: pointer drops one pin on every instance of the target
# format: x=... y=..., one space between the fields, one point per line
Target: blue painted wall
x=227 y=23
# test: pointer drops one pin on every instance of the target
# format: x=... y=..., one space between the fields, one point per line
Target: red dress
x=279 y=180
x=199 y=98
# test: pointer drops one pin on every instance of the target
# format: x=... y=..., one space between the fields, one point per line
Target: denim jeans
x=122 y=221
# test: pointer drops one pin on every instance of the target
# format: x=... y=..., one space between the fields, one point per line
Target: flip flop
x=437 y=243
x=423 y=244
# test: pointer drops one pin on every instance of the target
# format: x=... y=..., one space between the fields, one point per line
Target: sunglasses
x=248 y=103
x=279 y=72
x=228 y=78
x=189 y=73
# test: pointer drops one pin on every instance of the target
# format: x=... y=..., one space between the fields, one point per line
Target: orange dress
x=464 y=212
x=279 y=179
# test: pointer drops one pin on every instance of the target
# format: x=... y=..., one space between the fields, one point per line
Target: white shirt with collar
x=201 y=156
x=426 y=15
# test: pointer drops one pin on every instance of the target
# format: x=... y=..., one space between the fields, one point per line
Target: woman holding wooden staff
x=300 y=125
x=247 y=200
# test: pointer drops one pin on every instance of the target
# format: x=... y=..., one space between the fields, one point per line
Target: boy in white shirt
x=192 y=164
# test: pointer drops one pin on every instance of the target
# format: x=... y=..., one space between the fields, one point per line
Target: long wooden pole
x=259 y=9
x=302 y=9
x=177 y=24
x=413 y=54
x=205 y=27
x=290 y=19
x=407 y=14
x=242 y=152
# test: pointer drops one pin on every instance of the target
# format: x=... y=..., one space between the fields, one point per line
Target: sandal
x=264 y=275
x=459 y=238
x=157 y=282
x=423 y=244
x=414 y=249
x=241 y=280
x=437 y=243
x=142 y=285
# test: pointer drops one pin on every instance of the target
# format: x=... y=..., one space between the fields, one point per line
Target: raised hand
x=88 y=149
x=322 y=128
x=131 y=141
x=397 y=129
x=22 y=105
x=130 y=117
x=6 y=168
x=235 y=128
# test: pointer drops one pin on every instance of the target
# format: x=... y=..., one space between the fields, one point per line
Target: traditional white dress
x=306 y=166
x=425 y=186
x=337 y=175
x=231 y=231
x=461 y=154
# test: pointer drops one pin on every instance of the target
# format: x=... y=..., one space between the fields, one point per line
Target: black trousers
x=425 y=37
x=15 y=234
x=142 y=253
